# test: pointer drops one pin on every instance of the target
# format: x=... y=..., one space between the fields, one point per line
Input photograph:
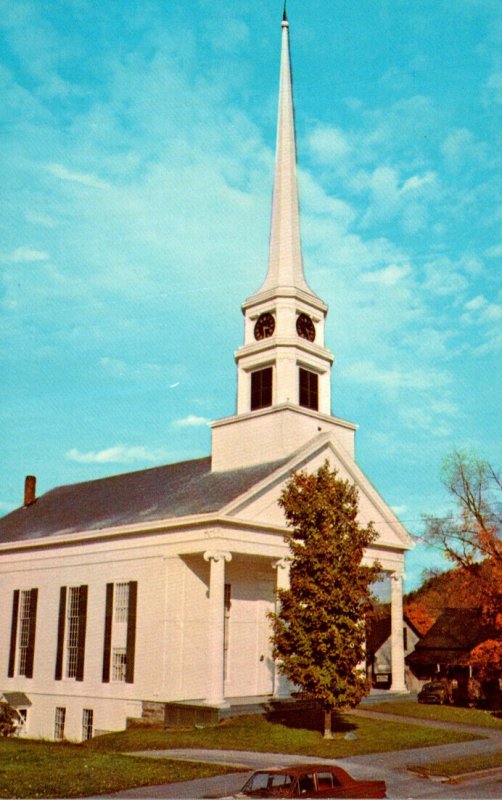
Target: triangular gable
x=260 y=503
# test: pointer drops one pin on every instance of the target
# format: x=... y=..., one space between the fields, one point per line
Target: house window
x=22 y=634
x=59 y=722
x=120 y=632
x=309 y=389
x=72 y=623
x=119 y=663
x=261 y=388
x=121 y=602
x=87 y=723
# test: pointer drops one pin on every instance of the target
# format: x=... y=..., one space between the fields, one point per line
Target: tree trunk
x=328 y=734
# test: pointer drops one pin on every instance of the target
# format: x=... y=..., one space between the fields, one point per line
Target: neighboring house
x=154 y=586
x=445 y=650
x=379 y=651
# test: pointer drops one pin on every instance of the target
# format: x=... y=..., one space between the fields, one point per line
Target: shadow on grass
x=311 y=719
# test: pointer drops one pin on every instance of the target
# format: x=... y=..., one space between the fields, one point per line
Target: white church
x=154 y=586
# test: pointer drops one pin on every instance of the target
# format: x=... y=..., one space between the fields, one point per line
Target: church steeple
x=285 y=263
x=283 y=367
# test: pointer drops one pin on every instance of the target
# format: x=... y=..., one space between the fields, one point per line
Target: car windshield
x=264 y=784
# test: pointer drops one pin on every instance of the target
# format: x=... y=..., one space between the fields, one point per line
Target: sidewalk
x=390 y=766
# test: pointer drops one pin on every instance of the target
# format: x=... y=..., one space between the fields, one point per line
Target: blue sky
x=138 y=146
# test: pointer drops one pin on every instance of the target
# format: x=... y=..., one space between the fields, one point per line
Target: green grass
x=48 y=769
x=453 y=714
x=460 y=766
x=298 y=735
x=54 y=769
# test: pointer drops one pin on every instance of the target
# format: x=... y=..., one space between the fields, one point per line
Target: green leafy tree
x=319 y=631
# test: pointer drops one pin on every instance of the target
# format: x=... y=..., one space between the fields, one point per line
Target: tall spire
x=285 y=264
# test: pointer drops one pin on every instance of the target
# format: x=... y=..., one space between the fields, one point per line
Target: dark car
x=309 y=780
x=435 y=692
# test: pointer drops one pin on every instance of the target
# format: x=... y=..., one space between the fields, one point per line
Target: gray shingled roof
x=174 y=490
x=452 y=637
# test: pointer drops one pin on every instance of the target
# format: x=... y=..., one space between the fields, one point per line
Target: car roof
x=298 y=769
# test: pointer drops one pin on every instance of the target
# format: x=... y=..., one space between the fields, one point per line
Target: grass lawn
x=460 y=766
x=297 y=734
x=55 y=769
x=454 y=714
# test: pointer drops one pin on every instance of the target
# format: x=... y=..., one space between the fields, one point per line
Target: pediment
x=259 y=505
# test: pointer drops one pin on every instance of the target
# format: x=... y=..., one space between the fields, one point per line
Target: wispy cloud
x=396 y=378
x=119 y=454
x=191 y=421
x=388 y=276
x=25 y=254
x=60 y=171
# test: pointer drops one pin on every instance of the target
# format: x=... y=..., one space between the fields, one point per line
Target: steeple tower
x=283 y=367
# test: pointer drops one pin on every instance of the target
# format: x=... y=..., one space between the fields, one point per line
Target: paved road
x=391 y=767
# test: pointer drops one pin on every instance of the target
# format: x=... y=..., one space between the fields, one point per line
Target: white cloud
x=26 y=254
x=120 y=454
x=368 y=372
x=191 y=421
x=328 y=145
x=60 y=171
x=40 y=219
x=387 y=276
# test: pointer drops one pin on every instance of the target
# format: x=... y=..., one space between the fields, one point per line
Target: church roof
x=174 y=490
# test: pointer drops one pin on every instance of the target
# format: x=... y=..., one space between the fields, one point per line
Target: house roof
x=452 y=637
x=174 y=490
x=379 y=630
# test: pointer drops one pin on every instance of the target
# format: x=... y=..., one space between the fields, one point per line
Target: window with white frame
x=24 y=630
x=72 y=629
x=59 y=721
x=87 y=724
x=119 y=632
x=121 y=603
x=119 y=663
x=22 y=633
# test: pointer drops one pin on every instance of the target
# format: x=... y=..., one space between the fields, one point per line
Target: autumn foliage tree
x=471 y=539
x=319 y=631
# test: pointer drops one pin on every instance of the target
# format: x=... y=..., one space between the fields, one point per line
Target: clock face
x=305 y=327
x=264 y=326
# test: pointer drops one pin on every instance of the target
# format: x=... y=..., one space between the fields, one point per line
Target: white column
x=397 y=643
x=215 y=656
x=281 y=684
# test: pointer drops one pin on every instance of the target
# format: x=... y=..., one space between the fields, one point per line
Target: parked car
x=309 y=780
x=436 y=692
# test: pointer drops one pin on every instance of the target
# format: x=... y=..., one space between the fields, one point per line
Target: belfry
x=127 y=594
x=283 y=367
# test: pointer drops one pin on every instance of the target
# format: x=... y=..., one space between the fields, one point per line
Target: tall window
x=72 y=625
x=261 y=388
x=120 y=632
x=22 y=634
x=87 y=723
x=59 y=721
x=309 y=389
